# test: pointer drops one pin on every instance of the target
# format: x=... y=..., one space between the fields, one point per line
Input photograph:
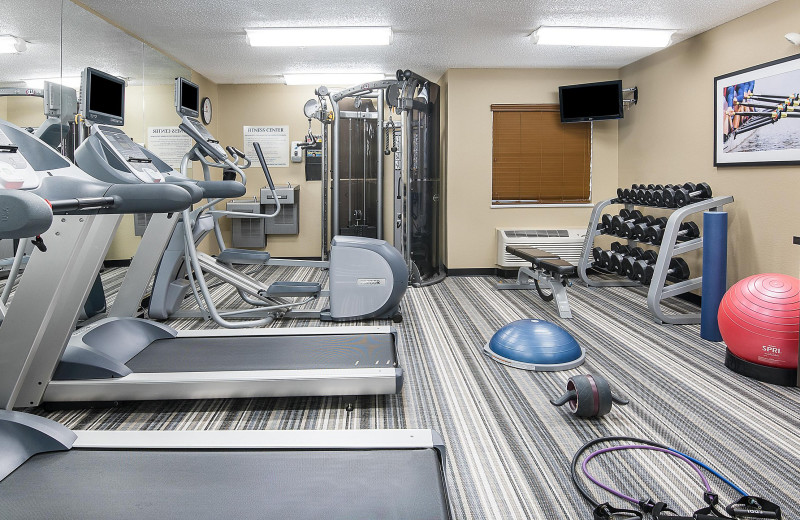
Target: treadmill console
x=204 y=133
x=129 y=153
x=15 y=171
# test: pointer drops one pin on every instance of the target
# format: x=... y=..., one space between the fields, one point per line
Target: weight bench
x=548 y=273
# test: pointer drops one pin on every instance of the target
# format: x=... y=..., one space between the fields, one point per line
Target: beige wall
x=210 y=90
x=241 y=105
x=471 y=221
x=125 y=241
x=146 y=106
x=4 y=108
x=443 y=121
x=24 y=110
x=656 y=146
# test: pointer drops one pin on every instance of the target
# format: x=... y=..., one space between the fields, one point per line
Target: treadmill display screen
x=187 y=97
x=104 y=100
x=106 y=96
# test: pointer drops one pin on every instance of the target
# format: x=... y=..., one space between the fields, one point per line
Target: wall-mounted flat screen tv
x=590 y=101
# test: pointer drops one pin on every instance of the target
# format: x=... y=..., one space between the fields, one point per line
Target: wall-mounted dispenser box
x=287 y=222
x=246 y=232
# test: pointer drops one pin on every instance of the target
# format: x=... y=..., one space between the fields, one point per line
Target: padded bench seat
x=531 y=254
x=558 y=266
x=548 y=272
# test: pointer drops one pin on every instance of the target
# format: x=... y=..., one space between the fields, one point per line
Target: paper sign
x=169 y=143
x=274 y=141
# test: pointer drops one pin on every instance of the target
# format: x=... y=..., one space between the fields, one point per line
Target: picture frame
x=770 y=136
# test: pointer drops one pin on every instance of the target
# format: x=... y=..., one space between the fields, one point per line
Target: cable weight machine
x=361 y=139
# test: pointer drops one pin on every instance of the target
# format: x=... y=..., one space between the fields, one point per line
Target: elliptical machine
x=367 y=278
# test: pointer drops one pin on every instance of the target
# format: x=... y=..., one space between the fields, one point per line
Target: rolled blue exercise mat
x=715 y=271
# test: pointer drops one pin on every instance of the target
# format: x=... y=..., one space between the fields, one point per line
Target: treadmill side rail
x=24 y=435
x=229 y=384
x=261 y=439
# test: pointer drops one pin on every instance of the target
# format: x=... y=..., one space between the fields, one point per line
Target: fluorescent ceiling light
x=72 y=82
x=11 y=44
x=344 y=79
x=602 y=36
x=318 y=36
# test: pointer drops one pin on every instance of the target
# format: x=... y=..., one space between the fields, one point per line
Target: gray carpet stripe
x=508 y=448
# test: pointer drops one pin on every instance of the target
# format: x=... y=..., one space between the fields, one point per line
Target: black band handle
x=65 y=205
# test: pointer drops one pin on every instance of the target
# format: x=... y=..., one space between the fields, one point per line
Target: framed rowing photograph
x=757 y=115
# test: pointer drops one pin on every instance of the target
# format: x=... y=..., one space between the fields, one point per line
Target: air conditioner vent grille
x=537 y=233
x=566 y=243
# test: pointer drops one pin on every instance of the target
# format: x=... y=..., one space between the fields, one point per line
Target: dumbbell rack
x=669 y=247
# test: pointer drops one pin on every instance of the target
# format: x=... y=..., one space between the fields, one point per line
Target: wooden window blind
x=537 y=159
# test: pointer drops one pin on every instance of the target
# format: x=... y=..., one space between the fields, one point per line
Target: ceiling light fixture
x=70 y=81
x=11 y=44
x=343 y=79
x=318 y=36
x=793 y=37
x=602 y=36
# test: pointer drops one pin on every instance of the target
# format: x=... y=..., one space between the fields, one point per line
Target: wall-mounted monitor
x=590 y=101
x=103 y=97
x=187 y=97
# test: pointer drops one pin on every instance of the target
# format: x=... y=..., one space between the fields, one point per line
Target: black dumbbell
x=623 y=195
x=655 y=235
x=597 y=253
x=650 y=193
x=605 y=225
x=625 y=216
x=632 y=194
x=629 y=263
x=625 y=230
x=640 y=230
x=658 y=198
x=616 y=249
x=615 y=262
x=691 y=193
x=658 y=195
x=678 y=270
x=679 y=196
x=602 y=257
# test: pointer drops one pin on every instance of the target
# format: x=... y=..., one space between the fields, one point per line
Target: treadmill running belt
x=241 y=484
x=266 y=353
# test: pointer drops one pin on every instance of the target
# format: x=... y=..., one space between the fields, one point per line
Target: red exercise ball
x=759 y=319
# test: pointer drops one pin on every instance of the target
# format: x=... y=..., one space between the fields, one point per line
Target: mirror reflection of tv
x=187 y=97
x=590 y=101
x=103 y=99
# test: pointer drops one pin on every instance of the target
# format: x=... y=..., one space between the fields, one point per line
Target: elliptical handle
x=264 y=167
x=235 y=152
x=210 y=150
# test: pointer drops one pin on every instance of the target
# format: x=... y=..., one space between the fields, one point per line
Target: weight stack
x=715 y=272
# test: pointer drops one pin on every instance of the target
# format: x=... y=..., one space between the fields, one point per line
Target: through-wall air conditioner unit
x=566 y=243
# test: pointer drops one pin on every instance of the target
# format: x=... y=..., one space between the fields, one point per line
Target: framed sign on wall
x=757 y=115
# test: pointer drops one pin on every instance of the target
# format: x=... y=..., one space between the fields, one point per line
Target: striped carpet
x=508 y=449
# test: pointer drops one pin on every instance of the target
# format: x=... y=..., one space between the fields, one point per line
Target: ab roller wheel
x=589 y=396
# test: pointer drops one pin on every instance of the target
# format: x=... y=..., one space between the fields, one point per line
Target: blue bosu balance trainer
x=535 y=345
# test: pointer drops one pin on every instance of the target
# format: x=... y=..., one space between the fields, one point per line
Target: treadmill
x=49 y=471
x=131 y=359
